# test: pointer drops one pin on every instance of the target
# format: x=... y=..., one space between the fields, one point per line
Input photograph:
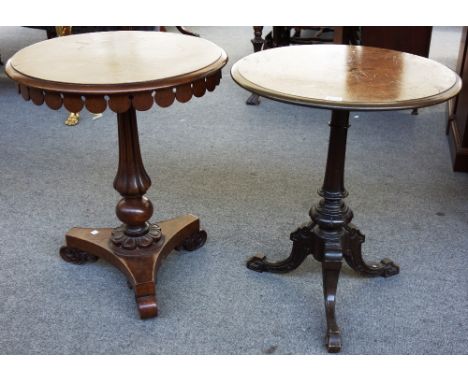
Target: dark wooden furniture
x=125 y=71
x=409 y=39
x=457 y=127
x=343 y=79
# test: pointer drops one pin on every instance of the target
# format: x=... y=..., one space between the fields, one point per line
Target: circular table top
x=118 y=63
x=346 y=77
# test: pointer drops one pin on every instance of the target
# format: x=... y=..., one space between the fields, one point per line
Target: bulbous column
x=132 y=182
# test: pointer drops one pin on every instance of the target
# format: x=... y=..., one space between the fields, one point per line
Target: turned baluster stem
x=131 y=180
x=331 y=213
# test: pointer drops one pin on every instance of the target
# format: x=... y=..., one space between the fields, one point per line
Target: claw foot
x=147 y=306
x=73 y=119
x=76 y=256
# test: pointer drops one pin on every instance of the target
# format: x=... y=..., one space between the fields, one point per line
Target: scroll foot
x=76 y=256
x=352 y=251
x=331 y=271
x=147 y=306
x=193 y=242
x=140 y=264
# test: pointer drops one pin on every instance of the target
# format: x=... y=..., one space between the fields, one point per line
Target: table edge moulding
x=118 y=96
x=342 y=103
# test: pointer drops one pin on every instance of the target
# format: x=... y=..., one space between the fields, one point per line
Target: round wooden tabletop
x=116 y=65
x=346 y=77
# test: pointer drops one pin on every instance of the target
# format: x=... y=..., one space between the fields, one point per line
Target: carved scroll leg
x=145 y=296
x=352 y=251
x=302 y=244
x=141 y=273
x=331 y=266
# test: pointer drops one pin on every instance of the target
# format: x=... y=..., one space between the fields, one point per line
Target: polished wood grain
x=140 y=270
x=340 y=78
x=346 y=77
x=116 y=70
x=127 y=72
x=110 y=59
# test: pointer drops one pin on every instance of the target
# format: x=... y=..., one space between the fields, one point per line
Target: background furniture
x=457 y=126
x=249 y=174
x=409 y=39
x=59 y=31
x=291 y=35
x=414 y=40
x=343 y=79
x=126 y=72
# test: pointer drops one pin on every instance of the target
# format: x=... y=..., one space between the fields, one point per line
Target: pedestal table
x=342 y=78
x=127 y=71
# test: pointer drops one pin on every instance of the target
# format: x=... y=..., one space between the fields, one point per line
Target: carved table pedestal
x=127 y=71
x=340 y=78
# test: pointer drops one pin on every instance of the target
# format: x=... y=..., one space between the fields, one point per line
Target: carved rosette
x=120 y=239
x=121 y=102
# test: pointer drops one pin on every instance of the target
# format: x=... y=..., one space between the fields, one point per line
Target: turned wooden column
x=341 y=78
x=132 y=182
x=331 y=212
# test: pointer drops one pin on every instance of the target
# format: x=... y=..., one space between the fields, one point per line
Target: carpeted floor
x=251 y=174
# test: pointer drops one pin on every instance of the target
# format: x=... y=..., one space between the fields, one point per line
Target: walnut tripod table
x=341 y=78
x=127 y=71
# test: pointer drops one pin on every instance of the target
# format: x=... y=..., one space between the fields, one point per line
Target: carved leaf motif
x=120 y=239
